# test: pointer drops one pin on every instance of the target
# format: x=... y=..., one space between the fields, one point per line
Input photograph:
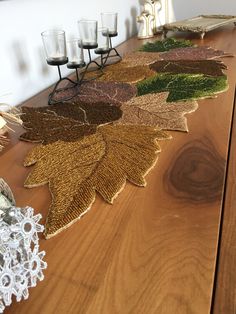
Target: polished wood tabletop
x=168 y=248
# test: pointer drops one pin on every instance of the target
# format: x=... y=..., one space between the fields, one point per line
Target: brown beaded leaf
x=101 y=92
x=48 y=128
x=194 y=53
x=153 y=110
x=140 y=58
x=121 y=73
x=206 y=67
x=85 y=113
x=101 y=163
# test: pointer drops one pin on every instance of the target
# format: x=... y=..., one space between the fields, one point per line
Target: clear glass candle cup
x=88 y=33
x=103 y=41
x=54 y=42
x=109 y=20
x=75 y=53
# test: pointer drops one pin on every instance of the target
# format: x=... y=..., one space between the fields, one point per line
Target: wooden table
x=169 y=248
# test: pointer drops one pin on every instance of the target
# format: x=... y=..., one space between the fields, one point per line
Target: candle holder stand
x=112 y=49
x=76 y=67
x=56 y=55
x=98 y=66
x=56 y=89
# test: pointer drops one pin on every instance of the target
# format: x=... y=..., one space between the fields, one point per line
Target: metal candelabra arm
x=56 y=89
x=112 y=49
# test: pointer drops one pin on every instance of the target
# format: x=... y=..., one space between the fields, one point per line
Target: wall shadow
x=20 y=57
x=127 y=28
x=44 y=68
x=134 y=14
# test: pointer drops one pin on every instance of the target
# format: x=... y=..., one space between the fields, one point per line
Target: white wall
x=181 y=9
x=23 y=69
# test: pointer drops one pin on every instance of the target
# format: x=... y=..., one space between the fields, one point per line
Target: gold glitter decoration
x=139 y=58
x=120 y=73
x=101 y=163
x=153 y=110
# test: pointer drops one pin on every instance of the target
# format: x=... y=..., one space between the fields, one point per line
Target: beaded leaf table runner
x=111 y=131
x=101 y=163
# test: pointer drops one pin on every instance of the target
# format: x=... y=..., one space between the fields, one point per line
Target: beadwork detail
x=21 y=263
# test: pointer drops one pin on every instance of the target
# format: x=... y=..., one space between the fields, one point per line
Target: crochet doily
x=21 y=262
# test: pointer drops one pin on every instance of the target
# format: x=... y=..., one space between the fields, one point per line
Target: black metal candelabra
x=105 y=54
x=76 y=66
x=116 y=54
x=56 y=89
x=98 y=66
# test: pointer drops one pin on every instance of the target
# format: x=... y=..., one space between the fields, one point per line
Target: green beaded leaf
x=183 y=86
x=165 y=45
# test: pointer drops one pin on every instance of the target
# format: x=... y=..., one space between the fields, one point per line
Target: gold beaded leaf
x=140 y=58
x=101 y=163
x=121 y=73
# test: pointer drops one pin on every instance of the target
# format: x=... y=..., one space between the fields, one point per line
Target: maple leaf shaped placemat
x=183 y=86
x=47 y=128
x=206 y=67
x=101 y=163
x=165 y=45
x=194 y=53
x=153 y=110
x=139 y=58
x=85 y=113
x=104 y=92
x=121 y=73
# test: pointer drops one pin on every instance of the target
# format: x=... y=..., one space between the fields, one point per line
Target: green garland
x=165 y=45
x=183 y=86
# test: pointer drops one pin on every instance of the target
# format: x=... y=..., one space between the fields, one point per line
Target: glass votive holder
x=54 y=42
x=88 y=33
x=75 y=53
x=109 y=20
x=103 y=41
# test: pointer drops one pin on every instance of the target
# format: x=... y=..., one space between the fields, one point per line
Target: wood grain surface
x=155 y=249
x=225 y=284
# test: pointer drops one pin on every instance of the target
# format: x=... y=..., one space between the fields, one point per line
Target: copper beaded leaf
x=101 y=92
x=153 y=110
x=194 y=53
